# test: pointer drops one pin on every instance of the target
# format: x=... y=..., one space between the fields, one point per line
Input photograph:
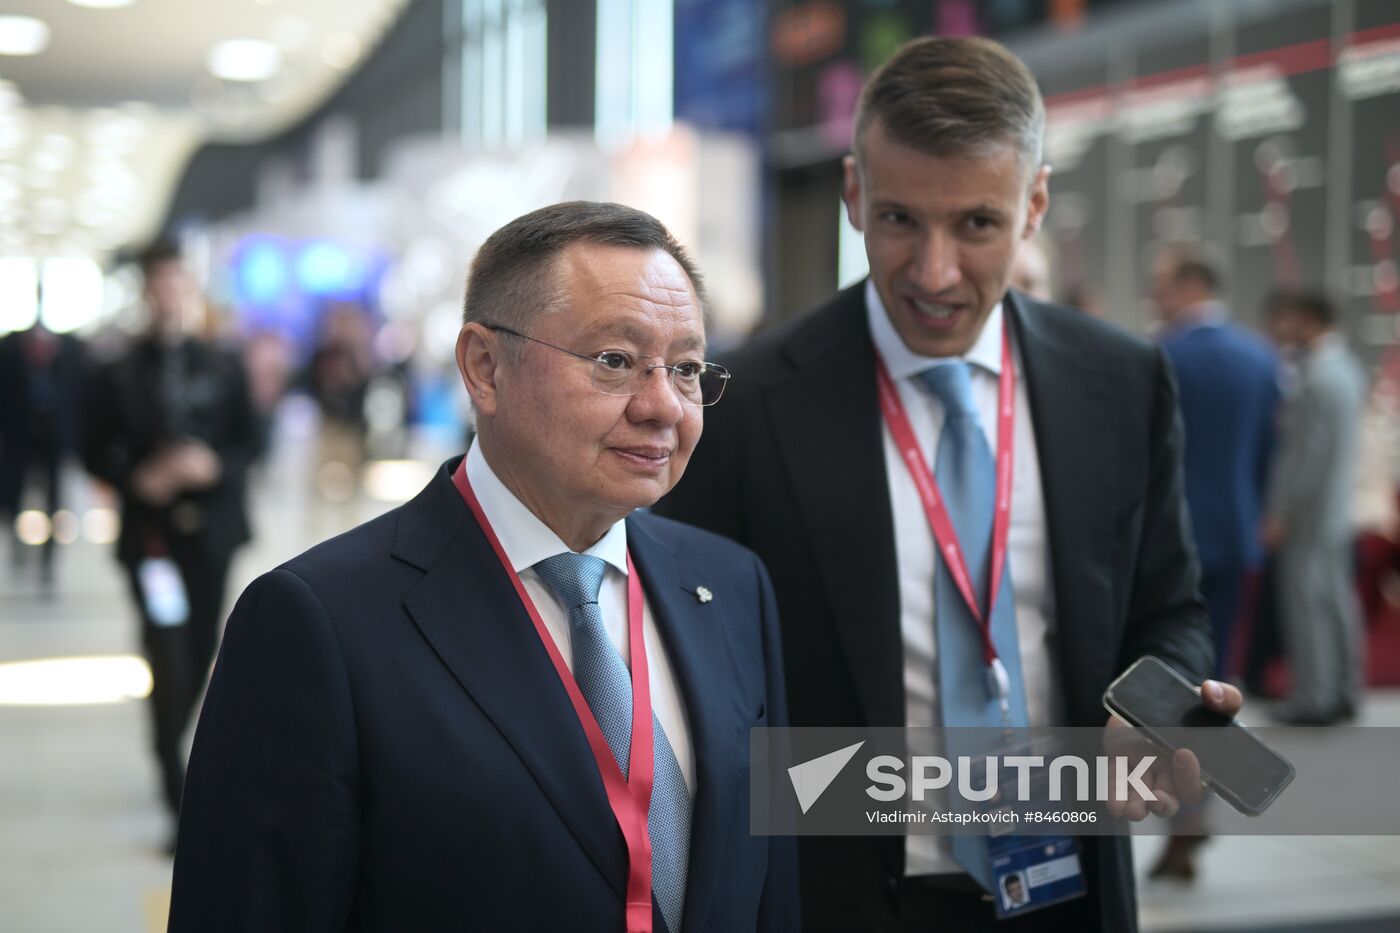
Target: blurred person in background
x=1228 y=391
x=267 y=356
x=946 y=182
x=41 y=376
x=1263 y=665
x=171 y=427
x=1227 y=388
x=338 y=377
x=1308 y=519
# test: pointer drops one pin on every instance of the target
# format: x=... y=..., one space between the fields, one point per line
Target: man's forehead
x=605 y=268
x=632 y=329
x=880 y=149
x=626 y=292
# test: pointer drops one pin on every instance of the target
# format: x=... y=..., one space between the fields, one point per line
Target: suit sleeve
x=1308 y=455
x=1267 y=441
x=780 y=908
x=269 y=822
x=102 y=430
x=1166 y=615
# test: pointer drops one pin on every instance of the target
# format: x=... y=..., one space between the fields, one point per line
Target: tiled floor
x=82 y=833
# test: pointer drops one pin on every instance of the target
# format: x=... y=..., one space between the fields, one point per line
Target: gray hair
x=512 y=279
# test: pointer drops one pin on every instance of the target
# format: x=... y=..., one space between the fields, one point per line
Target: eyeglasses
x=617 y=372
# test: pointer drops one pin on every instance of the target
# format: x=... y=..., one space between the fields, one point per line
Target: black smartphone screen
x=1153 y=696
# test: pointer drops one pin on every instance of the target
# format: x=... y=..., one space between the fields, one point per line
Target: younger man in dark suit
x=469 y=713
x=945 y=182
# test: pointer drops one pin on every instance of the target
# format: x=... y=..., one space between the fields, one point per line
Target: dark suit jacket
x=386 y=746
x=126 y=418
x=1227 y=379
x=792 y=464
x=39 y=406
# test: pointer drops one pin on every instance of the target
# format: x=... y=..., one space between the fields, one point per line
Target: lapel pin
x=703 y=594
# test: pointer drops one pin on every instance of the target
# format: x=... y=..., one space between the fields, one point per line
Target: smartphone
x=1234 y=762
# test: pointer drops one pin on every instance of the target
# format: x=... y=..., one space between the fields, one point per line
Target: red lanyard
x=629 y=797
x=937 y=515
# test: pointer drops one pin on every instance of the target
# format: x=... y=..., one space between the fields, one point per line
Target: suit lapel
x=696 y=645
x=1073 y=408
x=468 y=611
x=826 y=412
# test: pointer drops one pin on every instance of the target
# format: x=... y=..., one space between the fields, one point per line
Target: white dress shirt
x=1027 y=552
x=527 y=541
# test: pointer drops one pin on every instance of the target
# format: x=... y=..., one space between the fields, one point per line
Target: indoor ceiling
x=100 y=116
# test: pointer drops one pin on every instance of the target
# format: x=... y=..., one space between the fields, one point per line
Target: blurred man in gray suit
x=1308 y=519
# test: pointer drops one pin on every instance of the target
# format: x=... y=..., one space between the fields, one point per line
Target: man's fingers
x=1186 y=776
x=1166 y=804
x=1222 y=697
x=1115 y=805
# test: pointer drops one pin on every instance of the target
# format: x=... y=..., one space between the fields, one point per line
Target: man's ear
x=478 y=360
x=1038 y=202
x=850 y=191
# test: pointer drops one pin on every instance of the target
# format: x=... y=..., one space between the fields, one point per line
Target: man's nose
x=657 y=398
x=936 y=263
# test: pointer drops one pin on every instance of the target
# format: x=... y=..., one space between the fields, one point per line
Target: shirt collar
x=902 y=363
x=526 y=539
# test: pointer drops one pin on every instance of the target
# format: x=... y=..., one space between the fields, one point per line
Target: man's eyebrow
x=986 y=208
x=621 y=329
x=693 y=343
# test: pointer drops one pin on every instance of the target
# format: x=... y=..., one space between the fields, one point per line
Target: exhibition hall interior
x=298 y=188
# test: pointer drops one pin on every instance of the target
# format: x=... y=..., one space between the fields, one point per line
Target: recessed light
x=102 y=4
x=244 y=60
x=23 y=35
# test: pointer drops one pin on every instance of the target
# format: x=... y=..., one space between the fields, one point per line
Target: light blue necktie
x=966 y=473
x=606 y=685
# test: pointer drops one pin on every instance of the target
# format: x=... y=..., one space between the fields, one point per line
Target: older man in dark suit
x=933 y=354
x=515 y=703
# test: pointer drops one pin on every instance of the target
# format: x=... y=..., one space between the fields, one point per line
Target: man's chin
x=938 y=345
x=636 y=494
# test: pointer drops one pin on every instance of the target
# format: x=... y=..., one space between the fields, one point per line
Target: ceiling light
x=49 y=162
x=23 y=35
x=244 y=60
x=341 y=50
x=102 y=4
x=12 y=136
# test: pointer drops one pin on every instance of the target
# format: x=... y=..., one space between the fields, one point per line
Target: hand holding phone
x=1206 y=744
